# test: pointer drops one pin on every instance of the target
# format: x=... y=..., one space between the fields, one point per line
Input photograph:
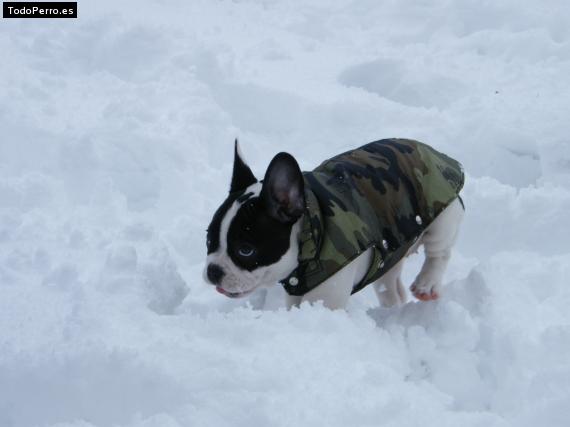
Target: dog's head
x=252 y=238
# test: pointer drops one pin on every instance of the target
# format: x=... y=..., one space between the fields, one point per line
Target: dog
x=328 y=233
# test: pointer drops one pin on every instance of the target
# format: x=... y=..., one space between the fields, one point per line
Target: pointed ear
x=283 y=191
x=242 y=176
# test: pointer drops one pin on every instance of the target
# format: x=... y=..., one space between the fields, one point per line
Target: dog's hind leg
x=389 y=288
x=438 y=240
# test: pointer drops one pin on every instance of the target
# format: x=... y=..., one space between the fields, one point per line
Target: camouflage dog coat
x=382 y=195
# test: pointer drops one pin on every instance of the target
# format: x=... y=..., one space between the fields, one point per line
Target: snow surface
x=116 y=147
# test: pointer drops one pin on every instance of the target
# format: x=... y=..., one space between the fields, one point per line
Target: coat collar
x=311 y=235
x=310 y=240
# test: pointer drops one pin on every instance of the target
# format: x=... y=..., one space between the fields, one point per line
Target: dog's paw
x=425 y=289
x=427 y=286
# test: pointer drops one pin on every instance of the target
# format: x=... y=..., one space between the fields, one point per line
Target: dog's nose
x=214 y=273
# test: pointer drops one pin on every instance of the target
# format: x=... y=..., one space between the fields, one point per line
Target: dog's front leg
x=292 y=301
x=335 y=291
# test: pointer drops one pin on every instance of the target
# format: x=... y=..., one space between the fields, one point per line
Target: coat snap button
x=419 y=219
x=293 y=281
x=385 y=244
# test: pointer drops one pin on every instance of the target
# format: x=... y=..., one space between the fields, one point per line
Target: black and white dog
x=253 y=241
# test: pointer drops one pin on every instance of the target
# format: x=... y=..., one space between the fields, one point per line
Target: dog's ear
x=283 y=191
x=242 y=176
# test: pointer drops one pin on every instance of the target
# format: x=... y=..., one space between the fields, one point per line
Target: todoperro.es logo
x=50 y=9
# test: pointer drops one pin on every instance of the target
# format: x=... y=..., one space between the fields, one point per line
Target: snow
x=116 y=148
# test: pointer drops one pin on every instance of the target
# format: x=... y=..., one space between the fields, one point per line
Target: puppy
x=326 y=234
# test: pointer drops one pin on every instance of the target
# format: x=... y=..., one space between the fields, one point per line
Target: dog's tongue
x=230 y=294
x=226 y=293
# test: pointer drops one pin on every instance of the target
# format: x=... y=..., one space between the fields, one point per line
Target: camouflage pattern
x=382 y=195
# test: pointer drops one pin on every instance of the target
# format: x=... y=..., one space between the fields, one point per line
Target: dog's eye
x=246 y=251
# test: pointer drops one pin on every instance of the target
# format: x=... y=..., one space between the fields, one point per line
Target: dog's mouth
x=232 y=294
